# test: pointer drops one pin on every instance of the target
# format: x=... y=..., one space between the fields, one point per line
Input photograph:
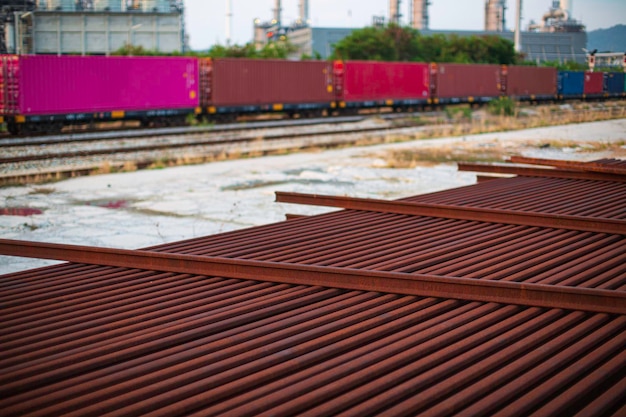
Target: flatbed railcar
x=41 y=93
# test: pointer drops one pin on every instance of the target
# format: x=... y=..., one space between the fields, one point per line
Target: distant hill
x=607 y=40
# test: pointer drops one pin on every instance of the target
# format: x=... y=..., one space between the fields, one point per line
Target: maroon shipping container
x=594 y=83
x=463 y=81
x=530 y=82
x=49 y=85
x=361 y=81
x=249 y=82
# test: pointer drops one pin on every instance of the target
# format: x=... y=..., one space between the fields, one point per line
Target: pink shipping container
x=249 y=84
x=465 y=82
x=531 y=82
x=362 y=81
x=49 y=85
x=594 y=83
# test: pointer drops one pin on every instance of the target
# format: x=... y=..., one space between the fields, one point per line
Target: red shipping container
x=466 y=80
x=370 y=81
x=251 y=82
x=47 y=85
x=594 y=82
x=526 y=82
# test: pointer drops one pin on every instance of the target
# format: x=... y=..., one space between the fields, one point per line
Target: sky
x=206 y=19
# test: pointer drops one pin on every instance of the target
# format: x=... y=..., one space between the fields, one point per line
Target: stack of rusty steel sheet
x=504 y=298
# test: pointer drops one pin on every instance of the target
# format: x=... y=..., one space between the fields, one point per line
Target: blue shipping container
x=571 y=83
x=614 y=83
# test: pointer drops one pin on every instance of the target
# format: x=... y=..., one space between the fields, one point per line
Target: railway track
x=49 y=158
x=9 y=141
x=39 y=162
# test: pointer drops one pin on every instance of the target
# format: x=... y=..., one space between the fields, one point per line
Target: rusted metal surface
x=537 y=295
x=611 y=166
x=453 y=212
x=173 y=344
x=585 y=198
x=214 y=339
x=540 y=172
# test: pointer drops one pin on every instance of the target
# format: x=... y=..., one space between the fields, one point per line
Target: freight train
x=40 y=93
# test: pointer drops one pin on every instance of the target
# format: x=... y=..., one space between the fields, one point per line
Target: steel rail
x=194 y=143
x=540 y=172
x=536 y=295
x=519 y=218
x=593 y=166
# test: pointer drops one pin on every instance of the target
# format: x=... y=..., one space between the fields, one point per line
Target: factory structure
x=97 y=27
x=104 y=26
x=557 y=37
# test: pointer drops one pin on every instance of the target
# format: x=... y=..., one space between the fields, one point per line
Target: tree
x=395 y=43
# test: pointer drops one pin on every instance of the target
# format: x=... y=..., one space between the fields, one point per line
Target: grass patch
x=407 y=158
x=503 y=106
x=489 y=152
x=42 y=191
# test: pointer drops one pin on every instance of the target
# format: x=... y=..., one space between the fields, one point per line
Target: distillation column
x=419 y=14
x=495 y=20
x=304 y=12
x=394 y=11
x=277 y=12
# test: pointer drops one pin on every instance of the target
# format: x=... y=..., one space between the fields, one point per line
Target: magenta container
x=75 y=84
x=367 y=81
x=594 y=82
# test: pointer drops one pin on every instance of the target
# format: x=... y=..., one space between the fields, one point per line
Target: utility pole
x=229 y=19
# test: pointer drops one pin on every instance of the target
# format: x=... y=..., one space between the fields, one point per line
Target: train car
x=530 y=83
x=45 y=93
x=594 y=84
x=363 y=84
x=614 y=84
x=465 y=83
x=232 y=86
x=571 y=84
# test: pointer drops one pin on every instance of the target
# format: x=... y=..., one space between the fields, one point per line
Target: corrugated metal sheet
x=594 y=82
x=68 y=84
x=531 y=81
x=571 y=83
x=467 y=80
x=614 y=82
x=267 y=82
x=392 y=80
x=80 y=339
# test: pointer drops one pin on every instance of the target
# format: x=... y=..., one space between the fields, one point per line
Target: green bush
x=503 y=106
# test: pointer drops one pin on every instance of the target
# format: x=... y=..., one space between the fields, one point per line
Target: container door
x=503 y=80
x=434 y=79
x=10 y=85
x=338 y=80
x=206 y=82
